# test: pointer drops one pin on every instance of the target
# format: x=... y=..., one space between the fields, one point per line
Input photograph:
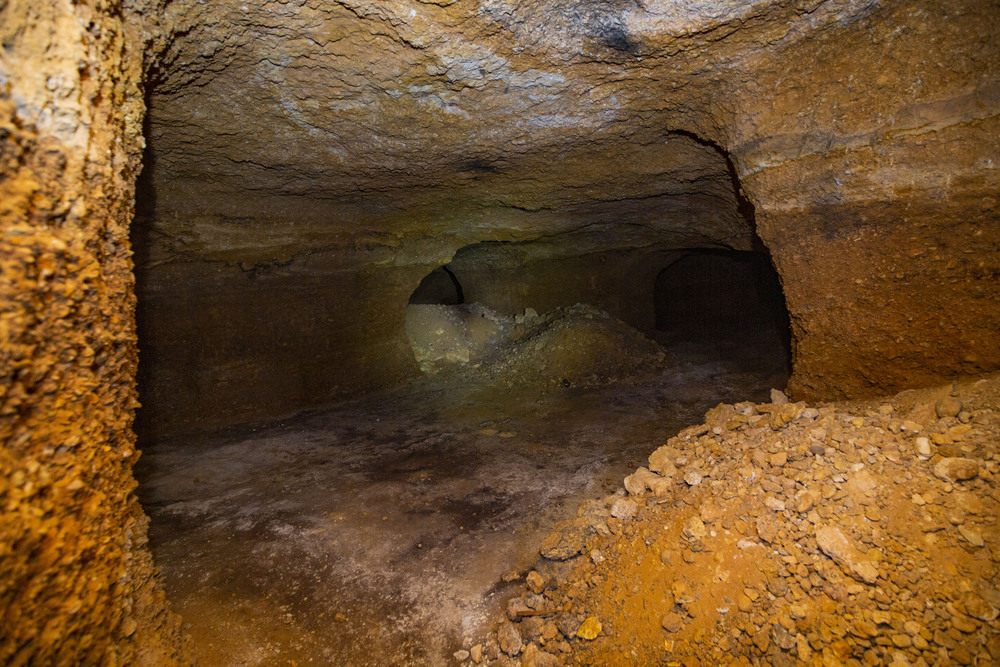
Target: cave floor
x=380 y=531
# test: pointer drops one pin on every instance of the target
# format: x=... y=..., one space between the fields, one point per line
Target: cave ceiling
x=499 y=120
x=357 y=110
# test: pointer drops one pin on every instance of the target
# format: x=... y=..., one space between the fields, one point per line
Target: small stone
x=977 y=607
x=774 y=504
x=568 y=625
x=461 y=655
x=918 y=500
x=767 y=527
x=624 y=509
x=863 y=629
x=964 y=624
x=804 y=501
x=476 y=653
x=803 y=649
x=662 y=460
x=779 y=459
x=596 y=556
x=971 y=536
x=667 y=557
x=873 y=513
x=837 y=546
x=956 y=469
x=672 y=622
x=949 y=406
x=762 y=640
x=683 y=595
x=642 y=479
x=901 y=641
x=778 y=397
x=881 y=617
x=509 y=639
x=694 y=529
x=635 y=483
x=710 y=512
x=785 y=414
x=922 y=446
x=589 y=629
x=693 y=478
x=567 y=540
x=535 y=582
x=516 y=608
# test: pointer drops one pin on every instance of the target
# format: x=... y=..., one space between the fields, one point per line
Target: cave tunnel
x=492 y=333
x=727 y=302
x=440 y=286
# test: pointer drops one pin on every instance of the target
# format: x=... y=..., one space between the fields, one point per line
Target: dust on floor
x=380 y=532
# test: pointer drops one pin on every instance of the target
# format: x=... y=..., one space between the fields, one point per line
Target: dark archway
x=439 y=287
x=727 y=303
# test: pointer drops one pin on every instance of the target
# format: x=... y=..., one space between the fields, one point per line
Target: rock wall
x=858 y=137
x=77 y=584
x=874 y=174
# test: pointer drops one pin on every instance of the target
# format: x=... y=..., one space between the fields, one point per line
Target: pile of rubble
x=781 y=533
x=573 y=346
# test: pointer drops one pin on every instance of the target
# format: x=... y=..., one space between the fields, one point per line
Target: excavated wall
x=310 y=162
x=77 y=584
x=352 y=148
x=870 y=151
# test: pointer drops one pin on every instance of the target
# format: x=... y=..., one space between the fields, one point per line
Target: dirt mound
x=781 y=533
x=446 y=338
x=573 y=346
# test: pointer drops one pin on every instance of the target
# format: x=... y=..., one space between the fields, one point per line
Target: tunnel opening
x=274 y=346
x=307 y=162
x=724 y=303
x=440 y=287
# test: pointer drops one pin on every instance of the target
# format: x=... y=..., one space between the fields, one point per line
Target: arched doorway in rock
x=440 y=287
x=443 y=330
x=725 y=303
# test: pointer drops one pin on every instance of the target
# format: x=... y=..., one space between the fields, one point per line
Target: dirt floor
x=393 y=530
x=520 y=508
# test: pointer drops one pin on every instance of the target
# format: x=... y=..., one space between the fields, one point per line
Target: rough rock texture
x=77 y=585
x=310 y=162
x=822 y=540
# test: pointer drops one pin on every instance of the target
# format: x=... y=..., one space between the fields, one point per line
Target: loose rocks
x=862 y=534
x=956 y=469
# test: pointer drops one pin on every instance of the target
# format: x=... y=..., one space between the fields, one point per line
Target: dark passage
x=440 y=287
x=725 y=303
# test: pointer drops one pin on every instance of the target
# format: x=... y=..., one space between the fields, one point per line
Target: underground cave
x=553 y=332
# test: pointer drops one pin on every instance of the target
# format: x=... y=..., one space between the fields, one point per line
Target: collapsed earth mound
x=572 y=346
x=782 y=533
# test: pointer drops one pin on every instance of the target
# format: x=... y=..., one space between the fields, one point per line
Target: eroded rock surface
x=310 y=162
x=77 y=583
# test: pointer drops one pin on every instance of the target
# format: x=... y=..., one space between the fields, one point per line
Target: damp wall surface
x=77 y=583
